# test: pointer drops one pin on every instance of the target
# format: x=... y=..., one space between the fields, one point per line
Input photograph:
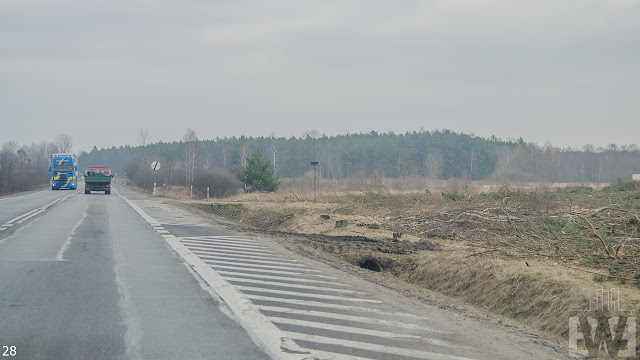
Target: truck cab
x=64 y=171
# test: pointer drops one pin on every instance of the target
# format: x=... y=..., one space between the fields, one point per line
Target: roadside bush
x=221 y=184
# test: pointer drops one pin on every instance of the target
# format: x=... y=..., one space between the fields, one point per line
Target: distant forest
x=432 y=154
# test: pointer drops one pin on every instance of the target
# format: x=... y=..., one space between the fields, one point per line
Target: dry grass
x=517 y=250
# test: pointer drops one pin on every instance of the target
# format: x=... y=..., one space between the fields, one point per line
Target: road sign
x=155 y=165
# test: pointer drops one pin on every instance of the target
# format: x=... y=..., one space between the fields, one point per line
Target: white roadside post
x=207 y=193
x=191 y=193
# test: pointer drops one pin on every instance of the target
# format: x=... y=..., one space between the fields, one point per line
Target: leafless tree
x=273 y=151
x=190 y=152
x=143 y=138
x=245 y=151
x=63 y=143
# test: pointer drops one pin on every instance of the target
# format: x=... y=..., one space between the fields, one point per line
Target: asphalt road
x=88 y=278
x=125 y=276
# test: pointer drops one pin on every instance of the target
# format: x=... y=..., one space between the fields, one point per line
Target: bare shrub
x=221 y=184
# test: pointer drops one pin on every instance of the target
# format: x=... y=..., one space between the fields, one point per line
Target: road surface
x=129 y=277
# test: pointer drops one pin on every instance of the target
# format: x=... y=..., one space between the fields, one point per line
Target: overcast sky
x=567 y=71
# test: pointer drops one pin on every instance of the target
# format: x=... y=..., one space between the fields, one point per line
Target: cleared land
x=530 y=252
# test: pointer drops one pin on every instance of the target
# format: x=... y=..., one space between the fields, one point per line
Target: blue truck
x=64 y=171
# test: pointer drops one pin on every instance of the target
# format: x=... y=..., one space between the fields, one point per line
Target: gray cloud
x=568 y=72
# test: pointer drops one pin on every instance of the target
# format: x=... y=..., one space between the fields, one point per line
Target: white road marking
x=217 y=265
x=293 y=286
x=375 y=347
x=274 y=340
x=236 y=251
x=250 y=259
x=162 y=231
x=320 y=304
x=65 y=245
x=338 y=356
x=284 y=278
x=34 y=212
x=226 y=242
x=242 y=254
x=2 y=228
x=12 y=221
x=234 y=239
x=30 y=216
x=306 y=295
x=362 y=319
x=341 y=328
x=227 y=246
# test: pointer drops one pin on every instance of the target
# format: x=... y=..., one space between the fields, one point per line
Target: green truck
x=97 y=178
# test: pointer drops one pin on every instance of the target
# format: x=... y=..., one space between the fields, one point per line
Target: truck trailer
x=97 y=178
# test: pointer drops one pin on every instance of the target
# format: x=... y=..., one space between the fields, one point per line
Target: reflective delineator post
x=154 y=188
x=207 y=193
x=191 y=193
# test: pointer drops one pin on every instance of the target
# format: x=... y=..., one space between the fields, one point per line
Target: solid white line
x=227 y=245
x=285 y=278
x=249 y=259
x=293 y=286
x=341 y=328
x=236 y=251
x=374 y=347
x=21 y=216
x=307 y=295
x=276 y=343
x=65 y=245
x=331 y=315
x=30 y=216
x=321 y=304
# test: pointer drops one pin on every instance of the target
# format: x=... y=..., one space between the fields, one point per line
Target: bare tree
x=190 y=152
x=143 y=138
x=273 y=151
x=63 y=143
x=245 y=151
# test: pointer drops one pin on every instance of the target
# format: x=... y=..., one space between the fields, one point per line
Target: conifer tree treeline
x=434 y=154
